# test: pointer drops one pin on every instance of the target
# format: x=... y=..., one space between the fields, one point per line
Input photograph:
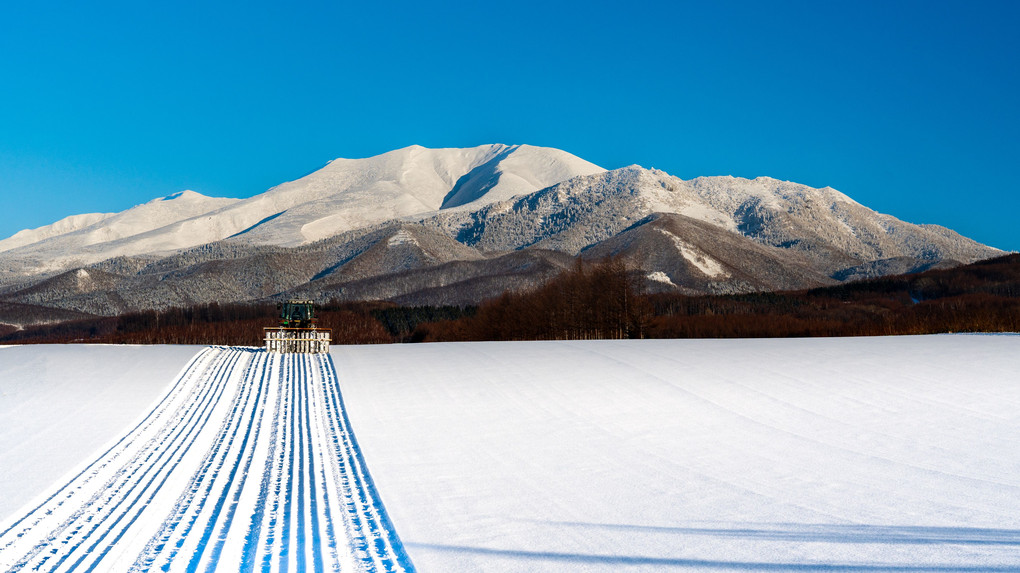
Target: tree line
x=602 y=300
x=587 y=302
x=605 y=300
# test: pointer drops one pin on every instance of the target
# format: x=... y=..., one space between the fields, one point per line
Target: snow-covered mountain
x=344 y=195
x=420 y=225
x=350 y=194
x=819 y=232
x=84 y=239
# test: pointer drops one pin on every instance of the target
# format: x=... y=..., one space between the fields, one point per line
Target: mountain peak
x=497 y=197
x=185 y=195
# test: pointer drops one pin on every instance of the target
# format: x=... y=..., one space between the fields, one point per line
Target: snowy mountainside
x=427 y=226
x=825 y=226
x=344 y=195
x=515 y=171
x=680 y=253
x=455 y=282
x=66 y=225
x=350 y=194
x=108 y=228
x=398 y=248
x=141 y=229
x=399 y=261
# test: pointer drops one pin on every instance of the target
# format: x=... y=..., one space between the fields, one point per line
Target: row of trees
x=982 y=297
x=603 y=300
x=229 y=324
x=589 y=301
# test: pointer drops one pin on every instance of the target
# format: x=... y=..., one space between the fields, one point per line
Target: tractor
x=297 y=331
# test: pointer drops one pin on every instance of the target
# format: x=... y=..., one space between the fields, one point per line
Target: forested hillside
x=602 y=300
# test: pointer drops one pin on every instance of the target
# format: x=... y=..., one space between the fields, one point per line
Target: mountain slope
x=345 y=195
x=61 y=227
x=349 y=194
x=456 y=226
x=147 y=228
x=685 y=254
x=827 y=228
x=459 y=282
x=226 y=272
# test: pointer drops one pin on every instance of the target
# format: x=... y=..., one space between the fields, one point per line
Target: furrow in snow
x=247 y=462
x=128 y=467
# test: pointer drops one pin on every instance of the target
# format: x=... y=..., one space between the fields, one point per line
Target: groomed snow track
x=247 y=463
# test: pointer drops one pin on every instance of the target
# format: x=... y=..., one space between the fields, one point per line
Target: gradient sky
x=908 y=107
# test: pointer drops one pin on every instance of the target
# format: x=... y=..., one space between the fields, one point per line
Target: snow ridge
x=344 y=195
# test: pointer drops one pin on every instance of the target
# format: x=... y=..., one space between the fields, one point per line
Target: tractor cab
x=297 y=314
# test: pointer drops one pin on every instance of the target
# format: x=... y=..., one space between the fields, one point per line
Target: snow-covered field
x=868 y=454
x=246 y=460
x=60 y=404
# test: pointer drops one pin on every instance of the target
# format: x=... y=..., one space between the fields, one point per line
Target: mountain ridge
x=435 y=219
x=352 y=193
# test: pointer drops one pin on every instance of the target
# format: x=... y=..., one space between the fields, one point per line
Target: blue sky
x=908 y=107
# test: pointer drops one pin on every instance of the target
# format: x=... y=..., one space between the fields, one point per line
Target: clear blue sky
x=911 y=108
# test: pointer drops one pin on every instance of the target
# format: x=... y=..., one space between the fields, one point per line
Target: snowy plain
x=61 y=404
x=864 y=454
x=247 y=459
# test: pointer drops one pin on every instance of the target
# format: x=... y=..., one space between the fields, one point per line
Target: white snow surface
x=862 y=454
x=247 y=459
x=829 y=454
x=152 y=227
x=659 y=276
x=61 y=403
x=66 y=225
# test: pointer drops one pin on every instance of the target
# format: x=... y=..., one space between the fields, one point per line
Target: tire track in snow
x=202 y=355
x=238 y=489
x=236 y=423
x=386 y=552
x=136 y=515
x=247 y=462
x=186 y=504
x=179 y=511
x=288 y=476
x=95 y=510
x=258 y=514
